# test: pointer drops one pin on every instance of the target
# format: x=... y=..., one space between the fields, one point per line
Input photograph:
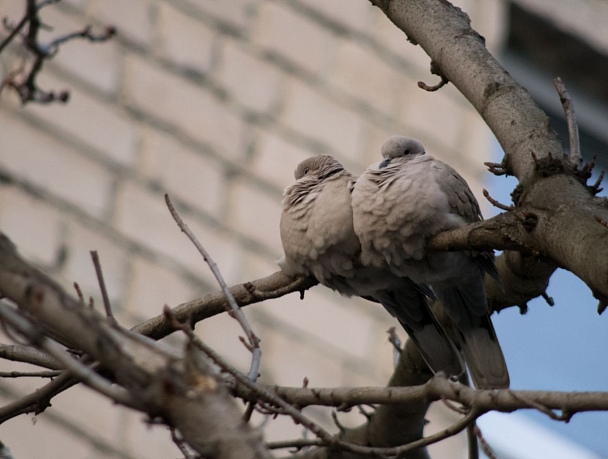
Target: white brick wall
x=214 y=102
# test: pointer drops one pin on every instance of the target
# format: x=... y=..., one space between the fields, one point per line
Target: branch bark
x=562 y=226
x=183 y=391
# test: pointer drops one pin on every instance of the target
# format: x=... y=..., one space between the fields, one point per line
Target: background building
x=215 y=102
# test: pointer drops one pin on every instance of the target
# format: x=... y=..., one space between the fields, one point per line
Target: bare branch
x=495 y=203
x=30 y=374
x=253 y=340
x=82 y=372
x=182 y=390
x=23 y=81
x=484 y=444
x=39 y=400
x=297 y=445
x=102 y=287
x=274 y=286
x=440 y=388
x=575 y=155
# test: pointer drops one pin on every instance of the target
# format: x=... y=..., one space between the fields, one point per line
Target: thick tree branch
x=459 y=52
x=274 y=286
x=439 y=388
x=559 y=208
x=181 y=390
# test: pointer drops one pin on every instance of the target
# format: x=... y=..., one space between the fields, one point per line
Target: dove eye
x=306 y=171
x=406 y=152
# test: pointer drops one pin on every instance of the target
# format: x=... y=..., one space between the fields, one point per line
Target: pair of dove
x=366 y=237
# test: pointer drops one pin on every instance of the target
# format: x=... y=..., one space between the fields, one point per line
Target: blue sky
x=564 y=347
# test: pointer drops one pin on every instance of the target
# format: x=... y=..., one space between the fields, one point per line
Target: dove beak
x=384 y=163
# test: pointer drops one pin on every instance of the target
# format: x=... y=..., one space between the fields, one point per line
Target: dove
x=318 y=239
x=398 y=205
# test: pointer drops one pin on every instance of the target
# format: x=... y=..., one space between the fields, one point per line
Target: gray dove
x=398 y=205
x=319 y=240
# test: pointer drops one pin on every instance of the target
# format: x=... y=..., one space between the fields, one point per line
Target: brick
x=234 y=12
x=52 y=166
x=20 y=432
x=98 y=64
x=256 y=214
x=287 y=362
x=142 y=439
x=222 y=332
x=79 y=266
x=224 y=250
x=133 y=19
x=352 y=15
x=186 y=42
x=344 y=329
x=104 y=425
x=488 y=18
x=91 y=121
x=276 y=159
x=378 y=87
x=478 y=141
x=395 y=40
x=22 y=218
x=184 y=104
x=144 y=217
x=152 y=286
x=294 y=37
x=186 y=174
x=374 y=138
x=256 y=266
x=253 y=82
x=314 y=115
x=424 y=111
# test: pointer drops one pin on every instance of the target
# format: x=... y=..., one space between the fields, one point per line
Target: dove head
x=321 y=166
x=400 y=146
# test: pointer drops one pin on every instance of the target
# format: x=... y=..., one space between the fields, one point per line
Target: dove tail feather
x=484 y=356
x=467 y=307
x=417 y=320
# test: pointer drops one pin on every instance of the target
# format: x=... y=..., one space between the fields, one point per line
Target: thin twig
x=484 y=444
x=497 y=169
x=37 y=401
x=253 y=340
x=102 y=287
x=542 y=408
x=548 y=299
x=568 y=106
x=79 y=293
x=495 y=203
x=435 y=87
x=596 y=186
x=288 y=409
x=24 y=82
x=263 y=393
x=30 y=374
x=297 y=445
x=15 y=30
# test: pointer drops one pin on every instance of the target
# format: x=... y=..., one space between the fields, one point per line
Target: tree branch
x=182 y=390
x=559 y=207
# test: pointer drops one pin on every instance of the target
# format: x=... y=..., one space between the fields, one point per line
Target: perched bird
x=318 y=239
x=399 y=204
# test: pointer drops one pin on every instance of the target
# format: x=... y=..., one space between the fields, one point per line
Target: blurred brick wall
x=214 y=102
